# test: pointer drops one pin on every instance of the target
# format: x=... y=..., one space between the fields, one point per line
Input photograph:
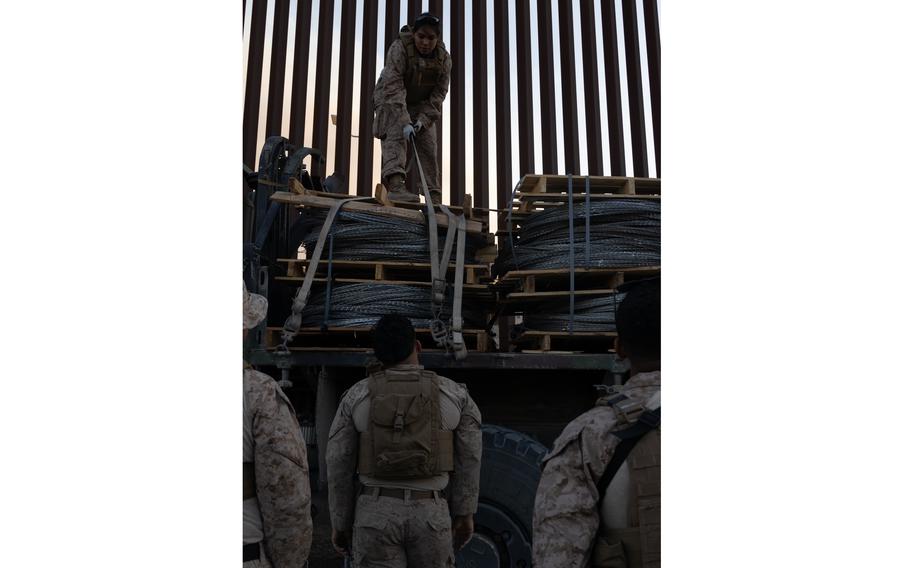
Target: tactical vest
x=639 y=545
x=404 y=438
x=423 y=73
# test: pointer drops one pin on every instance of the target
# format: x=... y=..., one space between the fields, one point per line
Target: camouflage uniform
x=394 y=532
x=276 y=505
x=566 y=519
x=405 y=94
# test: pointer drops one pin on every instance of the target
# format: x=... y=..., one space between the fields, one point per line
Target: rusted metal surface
x=613 y=88
x=323 y=77
x=253 y=83
x=636 y=98
x=592 y=89
x=547 y=88
x=300 y=73
x=436 y=10
x=276 y=70
x=479 y=132
x=440 y=360
x=344 y=106
x=652 y=37
x=504 y=179
x=392 y=17
x=367 y=83
x=569 y=101
x=457 y=94
x=525 y=89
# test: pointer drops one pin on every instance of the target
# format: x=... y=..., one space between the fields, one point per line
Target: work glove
x=409 y=132
x=418 y=127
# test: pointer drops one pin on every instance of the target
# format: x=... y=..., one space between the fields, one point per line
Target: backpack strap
x=647 y=421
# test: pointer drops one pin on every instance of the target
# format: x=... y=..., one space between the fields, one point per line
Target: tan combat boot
x=394 y=184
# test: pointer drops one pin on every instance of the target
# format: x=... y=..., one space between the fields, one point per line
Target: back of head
x=393 y=339
x=638 y=319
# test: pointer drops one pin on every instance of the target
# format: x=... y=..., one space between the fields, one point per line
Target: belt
x=398 y=493
x=251 y=552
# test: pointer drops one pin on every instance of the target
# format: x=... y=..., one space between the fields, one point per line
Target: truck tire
x=509 y=474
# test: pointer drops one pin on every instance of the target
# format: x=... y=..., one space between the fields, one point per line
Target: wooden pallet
x=539 y=192
x=361 y=339
x=531 y=283
x=384 y=270
x=562 y=341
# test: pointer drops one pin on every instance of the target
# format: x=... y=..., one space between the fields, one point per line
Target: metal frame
x=441 y=360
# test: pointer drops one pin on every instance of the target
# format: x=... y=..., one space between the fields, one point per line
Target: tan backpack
x=639 y=545
x=404 y=437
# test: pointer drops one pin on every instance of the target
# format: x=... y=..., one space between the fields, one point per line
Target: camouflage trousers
x=395 y=156
x=398 y=533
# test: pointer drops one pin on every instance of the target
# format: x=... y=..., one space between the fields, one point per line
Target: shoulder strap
x=649 y=420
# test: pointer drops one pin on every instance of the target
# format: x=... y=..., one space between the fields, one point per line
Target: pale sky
x=446 y=166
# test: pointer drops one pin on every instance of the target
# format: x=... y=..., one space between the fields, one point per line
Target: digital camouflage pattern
x=394 y=532
x=566 y=519
x=282 y=475
x=399 y=99
x=254 y=308
x=342 y=452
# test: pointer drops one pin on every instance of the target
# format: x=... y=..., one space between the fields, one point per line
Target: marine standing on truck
x=408 y=100
x=594 y=508
x=277 y=528
x=408 y=433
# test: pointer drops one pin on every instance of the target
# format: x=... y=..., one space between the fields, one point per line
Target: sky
x=472 y=185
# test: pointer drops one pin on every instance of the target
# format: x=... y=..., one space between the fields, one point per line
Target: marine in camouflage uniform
x=277 y=528
x=575 y=525
x=411 y=89
x=403 y=522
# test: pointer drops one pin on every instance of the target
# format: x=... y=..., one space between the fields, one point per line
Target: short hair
x=393 y=339
x=638 y=319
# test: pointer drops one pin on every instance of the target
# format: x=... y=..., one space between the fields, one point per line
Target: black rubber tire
x=510 y=472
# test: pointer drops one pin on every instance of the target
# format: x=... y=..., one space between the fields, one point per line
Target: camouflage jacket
x=390 y=95
x=280 y=463
x=566 y=518
x=342 y=451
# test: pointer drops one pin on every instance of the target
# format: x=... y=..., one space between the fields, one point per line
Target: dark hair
x=427 y=19
x=638 y=319
x=393 y=339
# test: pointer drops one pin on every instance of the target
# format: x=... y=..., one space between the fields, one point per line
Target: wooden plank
x=322 y=202
x=297 y=187
x=530 y=197
x=369 y=263
x=532 y=333
x=361 y=329
x=465 y=287
x=515 y=296
x=556 y=272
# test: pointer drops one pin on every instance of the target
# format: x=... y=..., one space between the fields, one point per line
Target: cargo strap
x=647 y=421
x=292 y=324
x=449 y=337
x=249 y=481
